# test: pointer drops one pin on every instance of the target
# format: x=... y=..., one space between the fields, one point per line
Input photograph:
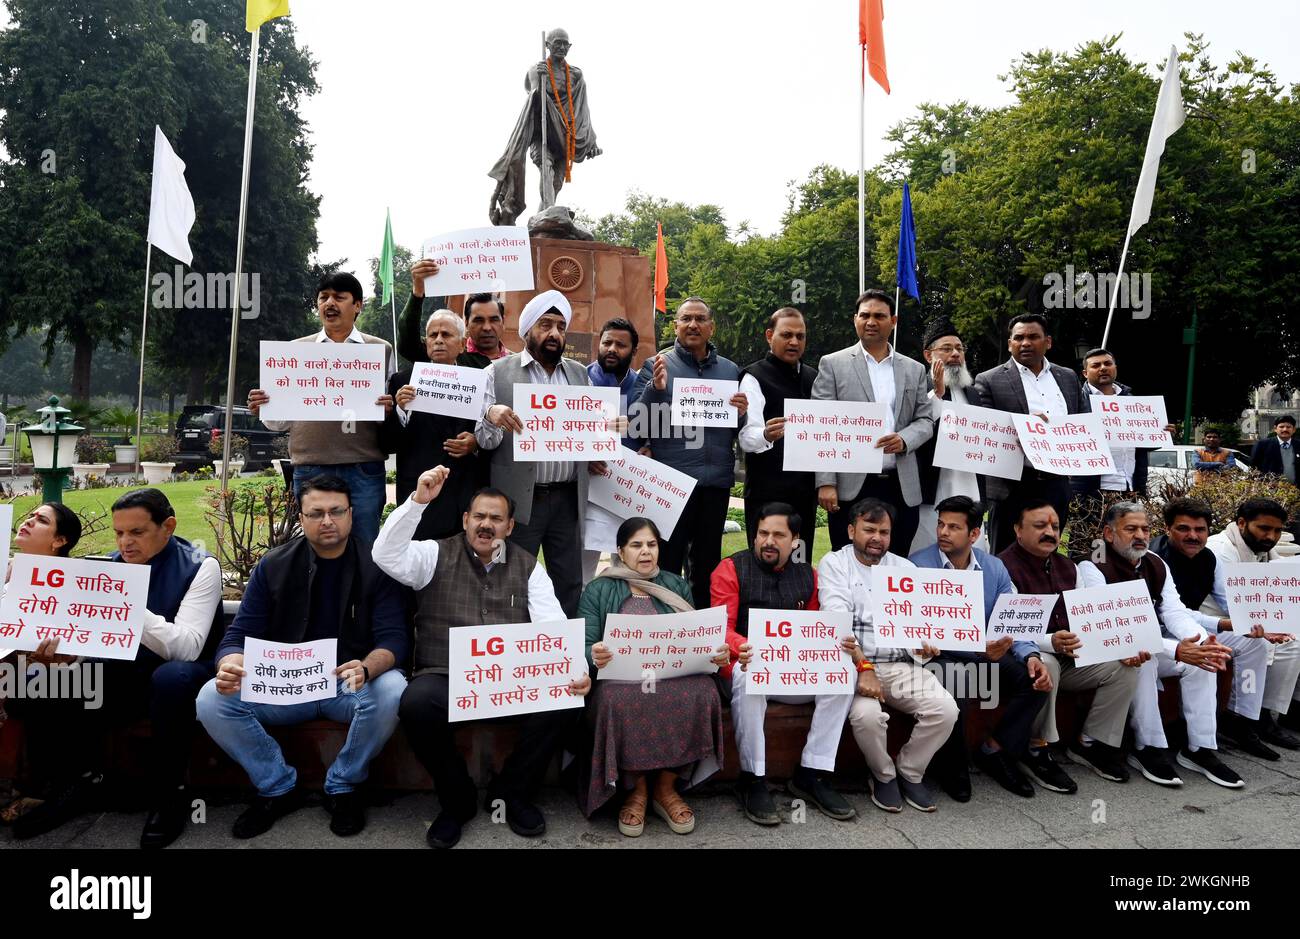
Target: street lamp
x=54 y=443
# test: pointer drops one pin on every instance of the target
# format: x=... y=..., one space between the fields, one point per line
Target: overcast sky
x=693 y=100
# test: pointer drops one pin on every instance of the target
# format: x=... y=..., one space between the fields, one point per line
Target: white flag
x=1168 y=118
x=171 y=207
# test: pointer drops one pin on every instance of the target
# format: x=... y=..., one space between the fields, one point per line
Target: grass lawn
x=187 y=499
x=736 y=542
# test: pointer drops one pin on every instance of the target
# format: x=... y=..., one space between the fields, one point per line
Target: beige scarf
x=617 y=570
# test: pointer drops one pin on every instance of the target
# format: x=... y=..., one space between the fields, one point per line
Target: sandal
x=18 y=808
x=676 y=813
x=631 y=817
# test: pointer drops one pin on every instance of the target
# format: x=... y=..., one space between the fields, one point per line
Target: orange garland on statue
x=569 y=122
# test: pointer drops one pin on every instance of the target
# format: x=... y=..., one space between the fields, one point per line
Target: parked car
x=1176 y=465
x=200 y=424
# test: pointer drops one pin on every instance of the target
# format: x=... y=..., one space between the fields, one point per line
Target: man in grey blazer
x=1028 y=384
x=550 y=497
x=870 y=370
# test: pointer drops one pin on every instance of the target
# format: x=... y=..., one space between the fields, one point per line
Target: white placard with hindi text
x=516 y=668
x=1265 y=595
x=978 y=440
x=833 y=436
x=289 y=672
x=476 y=260
x=704 y=402
x=563 y=422
x=667 y=645
x=1133 y=420
x=642 y=487
x=1072 y=445
x=1022 y=616
x=912 y=606
x=322 y=381
x=799 y=652
x=94 y=608
x=452 y=390
x=1113 y=622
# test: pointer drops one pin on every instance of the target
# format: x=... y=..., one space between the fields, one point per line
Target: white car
x=1177 y=465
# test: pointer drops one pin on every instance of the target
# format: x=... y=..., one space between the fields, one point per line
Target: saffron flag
x=905 y=273
x=171 y=207
x=1168 y=118
x=871 y=36
x=259 y=11
x=661 y=272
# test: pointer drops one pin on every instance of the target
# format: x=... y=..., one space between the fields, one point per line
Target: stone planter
x=155 y=474
x=236 y=467
x=124 y=453
x=82 y=470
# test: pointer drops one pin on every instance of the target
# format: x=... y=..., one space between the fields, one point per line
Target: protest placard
x=665 y=646
x=642 y=487
x=1113 y=622
x=799 y=652
x=1022 y=616
x=833 y=436
x=567 y=423
x=1265 y=595
x=452 y=390
x=703 y=402
x=322 y=381
x=978 y=440
x=911 y=606
x=1133 y=420
x=516 y=668
x=289 y=672
x=475 y=260
x=94 y=608
x=1072 y=445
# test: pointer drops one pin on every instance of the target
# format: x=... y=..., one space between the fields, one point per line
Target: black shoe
x=525 y=819
x=81 y=795
x=954 y=781
x=166 y=819
x=444 y=832
x=1047 y=773
x=1153 y=763
x=756 y=800
x=1290 y=720
x=347 y=813
x=1001 y=767
x=1270 y=732
x=1207 y=763
x=808 y=786
x=263 y=812
x=1102 y=759
x=1243 y=734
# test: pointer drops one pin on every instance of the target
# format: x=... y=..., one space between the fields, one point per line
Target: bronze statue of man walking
x=564 y=138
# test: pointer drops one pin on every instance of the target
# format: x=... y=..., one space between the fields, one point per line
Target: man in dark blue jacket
x=707 y=454
x=323 y=585
x=1276 y=455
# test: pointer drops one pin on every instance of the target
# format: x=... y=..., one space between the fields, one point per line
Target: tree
x=376 y=317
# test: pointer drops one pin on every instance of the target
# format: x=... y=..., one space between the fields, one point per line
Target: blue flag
x=905 y=276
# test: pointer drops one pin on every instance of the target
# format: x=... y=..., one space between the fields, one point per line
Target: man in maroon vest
x=469 y=579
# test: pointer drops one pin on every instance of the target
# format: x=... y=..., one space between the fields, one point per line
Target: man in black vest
x=424 y=440
x=471 y=579
x=767 y=383
x=322 y=585
x=765 y=577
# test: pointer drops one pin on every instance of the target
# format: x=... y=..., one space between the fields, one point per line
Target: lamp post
x=54 y=443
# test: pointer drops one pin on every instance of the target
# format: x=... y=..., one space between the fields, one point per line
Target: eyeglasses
x=319 y=516
x=948 y=350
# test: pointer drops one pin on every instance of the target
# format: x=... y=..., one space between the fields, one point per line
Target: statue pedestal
x=600 y=280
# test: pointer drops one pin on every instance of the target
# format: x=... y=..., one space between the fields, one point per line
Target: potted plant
x=120 y=418
x=238 y=454
x=159 y=459
x=93 y=455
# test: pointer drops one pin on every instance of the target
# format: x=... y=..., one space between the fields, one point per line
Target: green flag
x=386 y=259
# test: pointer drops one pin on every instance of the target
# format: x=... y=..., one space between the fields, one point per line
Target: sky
x=700 y=101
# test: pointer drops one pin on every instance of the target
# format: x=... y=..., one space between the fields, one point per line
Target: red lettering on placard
x=1110 y=406
x=495 y=646
x=783 y=629
x=53 y=579
x=904 y=584
x=1036 y=428
x=547 y=403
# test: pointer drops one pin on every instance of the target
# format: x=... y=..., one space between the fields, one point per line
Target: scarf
x=617 y=571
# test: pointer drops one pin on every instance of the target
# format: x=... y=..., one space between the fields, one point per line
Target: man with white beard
x=1190 y=654
x=946 y=356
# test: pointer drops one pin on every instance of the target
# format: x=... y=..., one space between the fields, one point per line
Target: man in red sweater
x=767 y=578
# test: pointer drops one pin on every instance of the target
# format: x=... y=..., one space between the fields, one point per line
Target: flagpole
x=1114 y=293
x=144 y=326
x=392 y=299
x=862 y=173
x=239 y=256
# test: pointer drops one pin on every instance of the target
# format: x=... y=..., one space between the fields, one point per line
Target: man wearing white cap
x=550 y=497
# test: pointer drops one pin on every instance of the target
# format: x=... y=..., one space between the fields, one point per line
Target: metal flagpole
x=1114 y=294
x=862 y=172
x=239 y=257
x=144 y=326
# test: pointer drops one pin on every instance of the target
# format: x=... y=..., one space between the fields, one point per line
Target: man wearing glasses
x=322 y=585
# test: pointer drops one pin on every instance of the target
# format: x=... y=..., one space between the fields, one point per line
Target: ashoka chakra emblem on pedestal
x=565 y=273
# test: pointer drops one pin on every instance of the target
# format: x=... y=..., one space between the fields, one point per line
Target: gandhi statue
x=560 y=89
